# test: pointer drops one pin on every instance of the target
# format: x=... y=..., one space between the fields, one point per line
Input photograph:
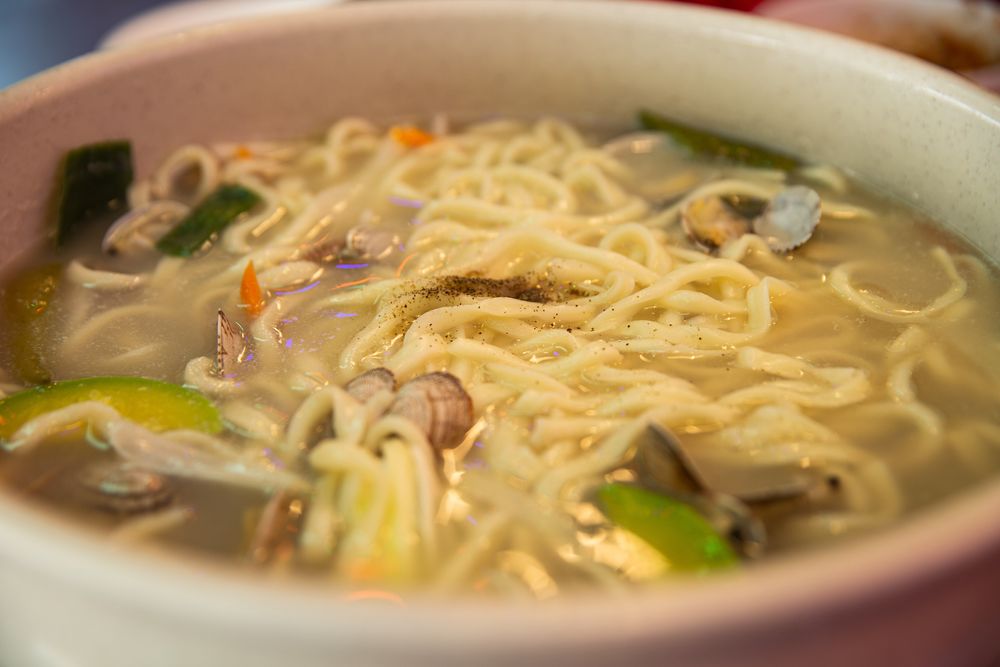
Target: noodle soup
x=511 y=358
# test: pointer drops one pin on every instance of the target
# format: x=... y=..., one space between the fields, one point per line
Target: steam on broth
x=512 y=358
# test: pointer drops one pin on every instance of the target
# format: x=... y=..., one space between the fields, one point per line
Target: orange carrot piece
x=411 y=137
x=243 y=152
x=402 y=265
x=250 y=292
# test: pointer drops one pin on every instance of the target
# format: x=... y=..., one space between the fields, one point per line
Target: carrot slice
x=411 y=137
x=251 y=295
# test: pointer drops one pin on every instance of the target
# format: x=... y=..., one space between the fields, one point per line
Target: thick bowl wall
x=916 y=595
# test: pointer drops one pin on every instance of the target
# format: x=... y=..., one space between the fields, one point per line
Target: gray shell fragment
x=122 y=488
x=790 y=218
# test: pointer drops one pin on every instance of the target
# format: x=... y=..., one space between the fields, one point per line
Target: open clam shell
x=665 y=458
x=711 y=223
x=726 y=493
x=789 y=219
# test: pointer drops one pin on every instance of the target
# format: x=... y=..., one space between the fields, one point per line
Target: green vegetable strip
x=26 y=301
x=704 y=143
x=675 y=529
x=93 y=181
x=210 y=217
x=156 y=405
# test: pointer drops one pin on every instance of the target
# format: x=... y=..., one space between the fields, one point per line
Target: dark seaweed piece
x=707 y=144
x=210 y=217
x=93 y=182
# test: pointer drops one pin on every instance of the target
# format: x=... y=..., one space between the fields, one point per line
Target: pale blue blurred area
x=37 y=34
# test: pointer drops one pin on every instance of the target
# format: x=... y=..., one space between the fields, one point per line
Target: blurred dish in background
x=960 y=35
x=741 y=5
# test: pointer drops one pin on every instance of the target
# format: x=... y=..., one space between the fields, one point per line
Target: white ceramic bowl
x=924 y=593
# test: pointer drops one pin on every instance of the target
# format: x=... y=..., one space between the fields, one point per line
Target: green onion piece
x=26 y=301
x=156 y=405
x=209 y=218
x=93 y=182
x=707 y=144
x=675 y=529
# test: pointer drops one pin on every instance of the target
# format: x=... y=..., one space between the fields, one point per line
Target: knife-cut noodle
x=552 y=275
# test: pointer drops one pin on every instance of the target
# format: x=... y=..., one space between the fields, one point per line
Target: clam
x=790 y=218
x=152 y=221
x=360 y=243
x=785 y=222
x=122 y=488
x=326 y=251
x=747 y=206
x=369 y=244
x=275 y=533
x=710 y=222
x=725 y=493
x=371 y=382
x=732 y=518
x=439 y=405
x=231 y=346
x=635 y=143
x=665 y=458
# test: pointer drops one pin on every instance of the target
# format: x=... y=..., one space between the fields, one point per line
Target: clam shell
x=369 y=383
x=439 y=405
x=163 y=214
x=231 y=346
x=789 y=219
x=710 y=223
x=665 y=458
x=731 y=517
x=122 y=488
x=324 y=252
x=368 y=243
x=359 y=243
x=276 y=531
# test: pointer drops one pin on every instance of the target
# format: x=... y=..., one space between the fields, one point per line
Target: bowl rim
x=812 y=584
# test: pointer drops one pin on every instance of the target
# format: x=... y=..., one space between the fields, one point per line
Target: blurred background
x=37 y=34
x=963 y=35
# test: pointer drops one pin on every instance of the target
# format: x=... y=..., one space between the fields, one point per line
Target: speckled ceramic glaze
x=925 y=593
